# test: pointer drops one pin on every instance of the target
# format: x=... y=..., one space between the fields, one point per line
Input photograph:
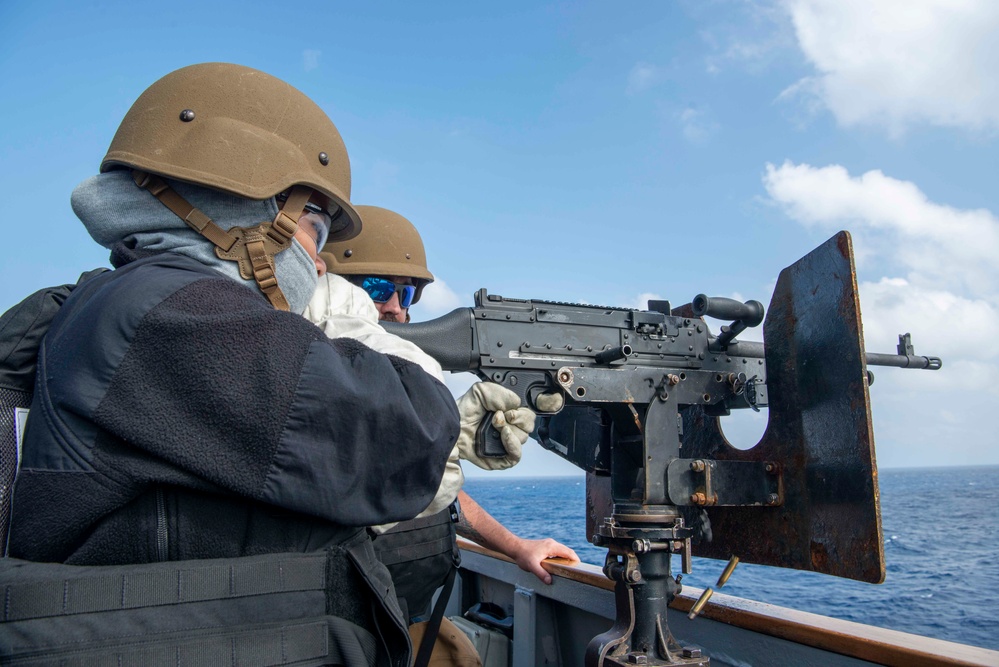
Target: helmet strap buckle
x=254 y=252
x=255 y=247
x=252 y=248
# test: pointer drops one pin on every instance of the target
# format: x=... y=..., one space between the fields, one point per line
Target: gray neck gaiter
x=114 y=209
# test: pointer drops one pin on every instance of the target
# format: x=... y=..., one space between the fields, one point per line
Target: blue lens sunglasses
x=381 y=290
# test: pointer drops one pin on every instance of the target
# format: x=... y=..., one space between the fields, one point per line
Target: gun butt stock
x=450 y=339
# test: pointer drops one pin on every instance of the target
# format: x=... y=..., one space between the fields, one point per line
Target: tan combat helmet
x=389 y=246
x=240 y=130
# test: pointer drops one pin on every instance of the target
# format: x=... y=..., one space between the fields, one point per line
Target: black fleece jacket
x=177 y=415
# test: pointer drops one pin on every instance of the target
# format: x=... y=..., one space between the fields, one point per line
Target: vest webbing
x=133 y=590
x=172 y=591
x=285 y=644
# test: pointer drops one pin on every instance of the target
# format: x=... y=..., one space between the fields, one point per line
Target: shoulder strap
x=22 y=328
x=434 y=624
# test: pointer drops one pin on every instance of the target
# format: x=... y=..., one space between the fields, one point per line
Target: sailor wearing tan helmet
x=388 y=261
x=180 y=415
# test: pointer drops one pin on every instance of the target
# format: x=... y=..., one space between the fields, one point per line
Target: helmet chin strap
x=252 y=248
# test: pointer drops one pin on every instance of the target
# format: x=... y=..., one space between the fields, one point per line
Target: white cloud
x=936 y=244
x=437 y=299
x=695 y=124
x=747 y=34
x=310 y=59
x=642 y=77
x=943 y=323
x=895 y=63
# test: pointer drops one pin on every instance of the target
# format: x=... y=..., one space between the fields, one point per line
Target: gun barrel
x=756 y=350
x=450 y=339
x=744 y=348
x=904 y=361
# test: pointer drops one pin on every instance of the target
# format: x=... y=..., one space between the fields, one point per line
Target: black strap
x=434 y=624
x=411 y=552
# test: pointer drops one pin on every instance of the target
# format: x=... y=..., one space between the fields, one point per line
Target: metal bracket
x=706 y=483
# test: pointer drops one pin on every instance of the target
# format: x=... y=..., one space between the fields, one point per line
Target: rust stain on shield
x=820 y=430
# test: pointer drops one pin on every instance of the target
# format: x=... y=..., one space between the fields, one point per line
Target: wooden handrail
x=865 y=642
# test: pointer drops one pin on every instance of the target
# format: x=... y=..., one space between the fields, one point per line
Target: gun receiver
x=644 y=391
x=571 y=335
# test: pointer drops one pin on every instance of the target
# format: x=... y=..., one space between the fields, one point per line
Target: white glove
x=488 y=400
x=550 y=402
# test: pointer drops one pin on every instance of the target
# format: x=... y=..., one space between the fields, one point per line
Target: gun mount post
x=641 y=534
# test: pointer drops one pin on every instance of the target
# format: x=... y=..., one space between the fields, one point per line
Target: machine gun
x=643 y=393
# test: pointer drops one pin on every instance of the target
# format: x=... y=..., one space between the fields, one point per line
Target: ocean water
x=941 y=532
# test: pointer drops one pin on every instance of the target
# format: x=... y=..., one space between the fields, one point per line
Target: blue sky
x=596 y=152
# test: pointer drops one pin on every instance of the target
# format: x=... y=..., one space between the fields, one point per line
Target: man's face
x=392 y=310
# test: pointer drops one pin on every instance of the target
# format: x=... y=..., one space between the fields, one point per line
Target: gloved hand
x=550 y=402
x=488 y=400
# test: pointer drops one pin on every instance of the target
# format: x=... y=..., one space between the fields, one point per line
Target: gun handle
x=488 y=443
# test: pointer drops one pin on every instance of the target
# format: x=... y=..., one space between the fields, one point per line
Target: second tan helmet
x=388 y=246
x=237 y=129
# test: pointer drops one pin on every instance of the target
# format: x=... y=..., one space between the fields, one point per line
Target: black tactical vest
x=419 y=554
